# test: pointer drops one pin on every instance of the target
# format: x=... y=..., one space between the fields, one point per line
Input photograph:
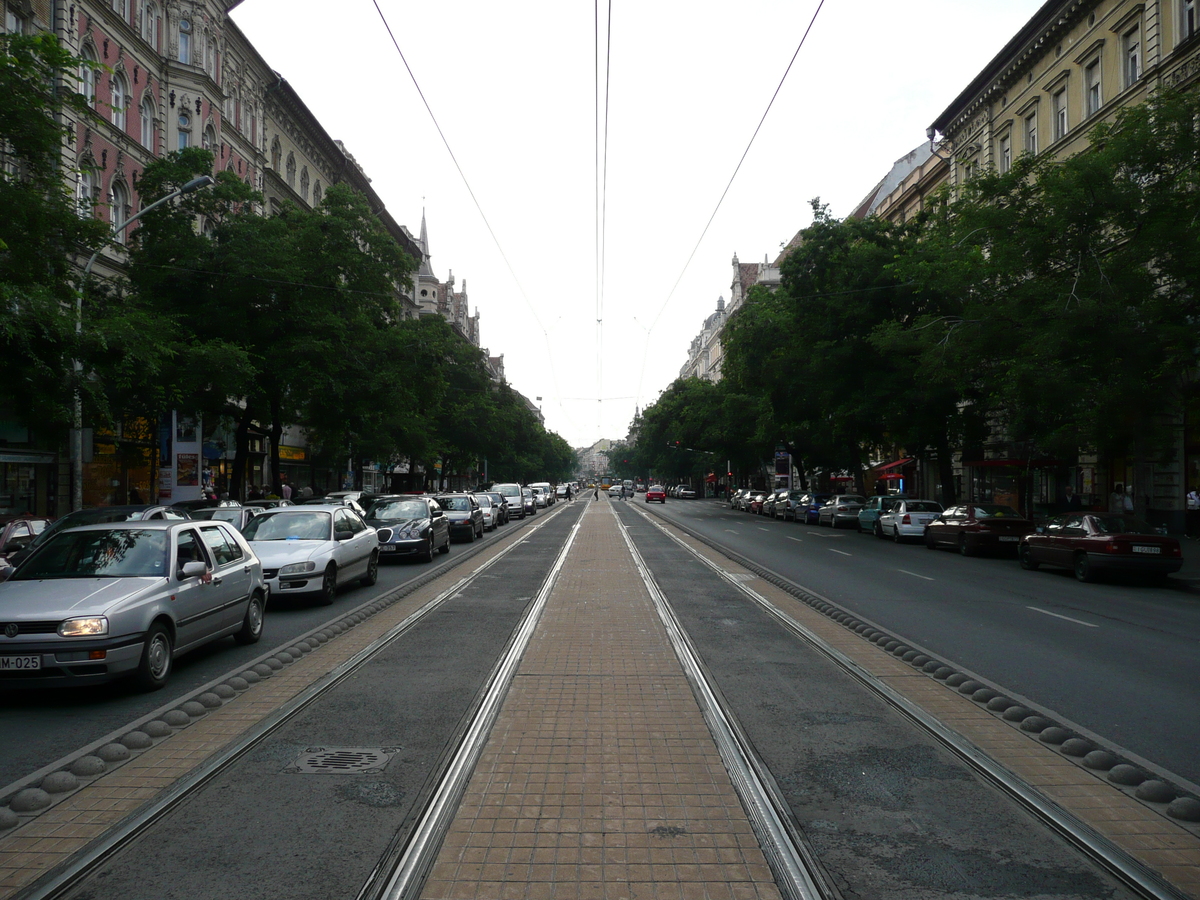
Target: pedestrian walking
x=622 y=492
x=1073 y=501
x=287 y=491
x=595 y=492
x=135 y=497
x=1116 y=500
x=569 y=497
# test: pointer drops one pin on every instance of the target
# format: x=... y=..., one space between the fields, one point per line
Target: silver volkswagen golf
x=104 y=601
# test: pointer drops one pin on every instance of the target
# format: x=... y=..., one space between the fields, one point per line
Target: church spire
x=425 y=269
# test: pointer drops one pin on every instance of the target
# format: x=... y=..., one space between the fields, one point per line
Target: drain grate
x=342 y=760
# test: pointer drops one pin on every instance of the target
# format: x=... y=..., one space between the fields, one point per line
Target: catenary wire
x=721 y=200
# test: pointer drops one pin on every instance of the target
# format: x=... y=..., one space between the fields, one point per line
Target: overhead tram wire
x=474 y=199
x=720 y=201
x=601 y=197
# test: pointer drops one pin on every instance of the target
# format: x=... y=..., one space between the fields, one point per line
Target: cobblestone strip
x=1170 y=849
x=600 y=778
x=33 y=848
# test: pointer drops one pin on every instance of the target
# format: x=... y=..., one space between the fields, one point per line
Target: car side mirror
x=343 y=535
x=437 y=513
x=193 y=569
x=16 y=544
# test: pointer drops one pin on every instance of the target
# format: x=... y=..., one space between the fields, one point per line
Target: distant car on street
x=1090 y=544
x=513 y=498
x=463 y=513
x=841 y=510
x=978 y=527
x=908 y=518
x=656 y=493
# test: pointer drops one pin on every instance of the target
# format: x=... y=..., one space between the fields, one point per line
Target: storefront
x=27 y=482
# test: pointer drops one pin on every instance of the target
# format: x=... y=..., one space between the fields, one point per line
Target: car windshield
x=230 y=515
x=458 y=504
x=484 y=500
x=290 y=526
x=656 y=487
x=921 y=506
x=108 y=553
x=995 y=511
x=390 y=510
x=1122 y=525
x=851 y=498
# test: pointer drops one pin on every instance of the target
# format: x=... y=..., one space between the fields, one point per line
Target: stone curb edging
x=1162 y=794
x=29 y=797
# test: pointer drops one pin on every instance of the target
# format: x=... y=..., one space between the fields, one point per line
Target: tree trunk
x=237 y=485
x=945 y=464
x=276 y=437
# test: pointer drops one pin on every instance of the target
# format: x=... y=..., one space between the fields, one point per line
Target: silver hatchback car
x=99 y=602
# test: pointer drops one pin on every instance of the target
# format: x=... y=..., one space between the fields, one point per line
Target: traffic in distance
x=119 y=592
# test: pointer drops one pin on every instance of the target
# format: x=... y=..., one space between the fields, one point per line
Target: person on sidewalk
x=596 y=492
x=622 y=492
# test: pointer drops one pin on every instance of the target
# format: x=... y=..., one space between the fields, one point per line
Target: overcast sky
x=513 y=88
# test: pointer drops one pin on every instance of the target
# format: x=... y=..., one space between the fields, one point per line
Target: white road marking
x=915 y=575
x=843 y=552
x=730 y=531
x=796 y=539
x=1047 y=612
x=760 y=528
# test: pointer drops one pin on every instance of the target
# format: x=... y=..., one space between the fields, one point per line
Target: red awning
x=710 y=478
x=895 y=465
x=890 y=476
x=1017 y=463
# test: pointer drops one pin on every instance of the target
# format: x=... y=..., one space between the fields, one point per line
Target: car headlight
x=85 y=627
x=298 y=568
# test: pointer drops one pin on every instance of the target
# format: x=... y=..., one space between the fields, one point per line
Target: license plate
x=1142 y=548
x=1009 y=537
x=20 y=663
x=387 y=548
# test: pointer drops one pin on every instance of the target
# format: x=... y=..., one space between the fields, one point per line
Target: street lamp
x=77 y=432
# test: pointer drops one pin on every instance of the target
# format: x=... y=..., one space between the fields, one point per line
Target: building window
x=1187 y=23
x=185 y=131
x=87 y=75
x=147 y=112
x=1132 y=43
x=304 y=184
x=291 y=171
x=1005 y=153
x=317 y=192
x=122 y=8
x=1031 y=134
x=85 y=197
x=185 y=42
x=13 y=24
x=1059 y=109
x=276 y=155
x=120 y=100
x=118 y=201
x=1093 y=99
x=208 y=140
x=150 y=25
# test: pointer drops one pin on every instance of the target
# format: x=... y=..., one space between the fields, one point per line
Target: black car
x=409 y=525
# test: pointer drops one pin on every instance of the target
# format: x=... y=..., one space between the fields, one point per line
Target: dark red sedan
x=978 y=527
x=1091 y=543
x=656 y=492
x=16 y=533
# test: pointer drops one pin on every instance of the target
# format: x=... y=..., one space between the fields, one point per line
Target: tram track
x=60 y=881
x=1131 y=872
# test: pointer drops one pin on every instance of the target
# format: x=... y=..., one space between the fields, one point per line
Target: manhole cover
x=341 y=760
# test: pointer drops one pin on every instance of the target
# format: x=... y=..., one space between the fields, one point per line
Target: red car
x=757 y=499
x=1090 y=543
x=978 y=527
x=656 y=492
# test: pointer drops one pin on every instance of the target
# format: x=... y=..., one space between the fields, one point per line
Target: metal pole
x=77 y=431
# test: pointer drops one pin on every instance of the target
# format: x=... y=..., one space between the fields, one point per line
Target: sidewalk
x=600 y=778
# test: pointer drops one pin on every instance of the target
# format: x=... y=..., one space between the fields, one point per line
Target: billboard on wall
x=187 y=469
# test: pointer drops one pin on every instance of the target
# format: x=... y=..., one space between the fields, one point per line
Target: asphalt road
x=1119 y=659
x=40 y=726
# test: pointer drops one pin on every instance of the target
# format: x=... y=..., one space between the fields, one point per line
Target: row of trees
x=285 y=320
x=1053 y=306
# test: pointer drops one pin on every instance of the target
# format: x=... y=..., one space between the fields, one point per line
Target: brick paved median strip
x=600 y=778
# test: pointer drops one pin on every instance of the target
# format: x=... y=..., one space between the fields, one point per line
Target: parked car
x=810 y=506
x=310 y=550
x=529 y=504
x=463 y=513
x=100 y=602
x=95 y=515
x=977 y=527
x=18 y=532
x=686 y=492
x=755 y=504
x=500 y=502
x=546 y=489
x=409 y=526
x=771 y=504
x=908 y=518
x=513 y=499
x=840 y=510
x=237 y=516
x=268 y=504
x=656 y=493
x=1094 y=543
x=877 y=505
x=787 y=506
x=540 y=496
x=338 y=498
x=491 y=515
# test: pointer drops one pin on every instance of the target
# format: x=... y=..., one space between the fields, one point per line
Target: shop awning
x=1015 y=463
x=710 y=478
x=895 y=465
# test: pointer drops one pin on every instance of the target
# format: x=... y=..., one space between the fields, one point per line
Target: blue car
x=809 y=508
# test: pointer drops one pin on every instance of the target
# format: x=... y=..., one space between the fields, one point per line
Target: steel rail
x=1128 y=870
x=797 y=871
x=407 y=872
x=85 y=861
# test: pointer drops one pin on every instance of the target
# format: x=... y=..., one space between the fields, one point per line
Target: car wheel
x=471 y=535
x=877 y=529
x=930 y=540
x=445 y=548
x=252 y=624
x=1026 y=557
x=833 y=522
x=1084 y=571
x=896 y=535
x=372 y=575
x=480 y=534
x=427 y=554
x=154 y=668
x=328 y=586
x=964 y=549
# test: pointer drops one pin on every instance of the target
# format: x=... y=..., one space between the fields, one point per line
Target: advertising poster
x=187 y=469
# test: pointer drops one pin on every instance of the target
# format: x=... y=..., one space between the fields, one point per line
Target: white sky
x=513 y=87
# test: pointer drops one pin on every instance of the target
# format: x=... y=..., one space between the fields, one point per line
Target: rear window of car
x=995 y=511
x=399 y=509
x=508 y=490
x=459 y=504
x=922 y=506
x=289 y=526
x=1122 y=525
